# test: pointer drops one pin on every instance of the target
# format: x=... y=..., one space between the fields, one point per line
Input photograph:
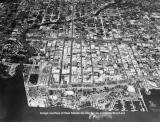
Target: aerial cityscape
x=83 y=53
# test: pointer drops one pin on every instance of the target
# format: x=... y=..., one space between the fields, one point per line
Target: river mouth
x=31 y=51
x=85 y=54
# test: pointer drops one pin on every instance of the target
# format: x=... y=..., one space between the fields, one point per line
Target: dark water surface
x=18 y=109
x=15 y=103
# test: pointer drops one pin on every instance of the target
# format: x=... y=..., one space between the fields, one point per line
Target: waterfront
x=27 y=113
x=17 y=101
x=100 y=66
